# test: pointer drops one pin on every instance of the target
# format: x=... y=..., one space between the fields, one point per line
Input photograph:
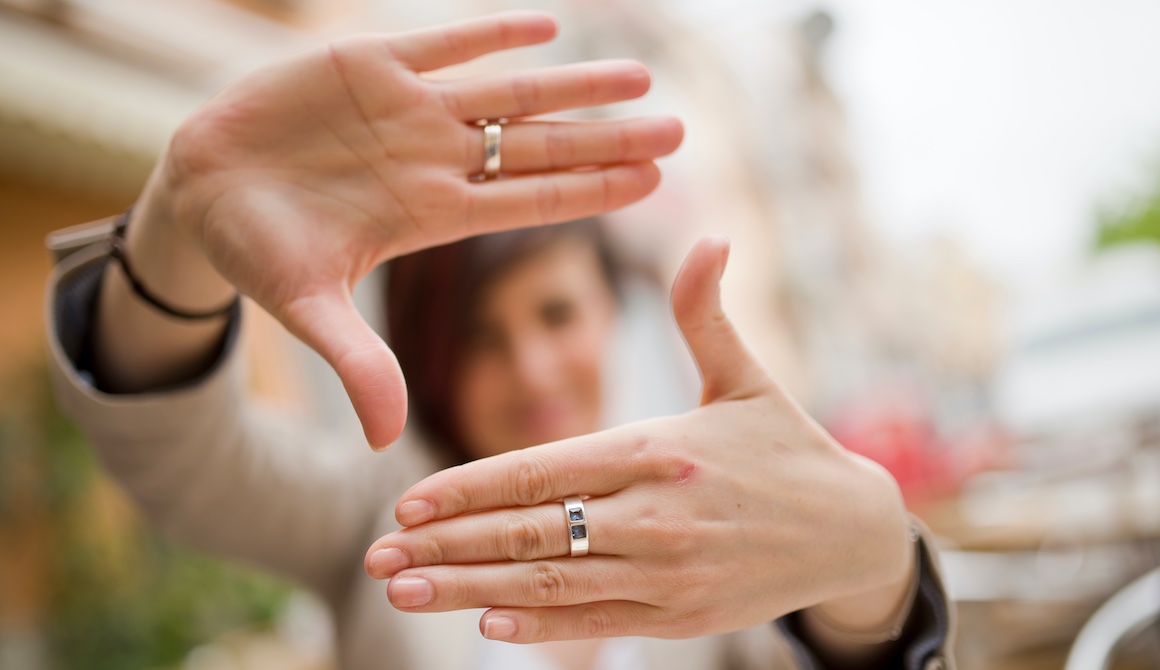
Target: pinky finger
x=609 y=618
x=558 y=196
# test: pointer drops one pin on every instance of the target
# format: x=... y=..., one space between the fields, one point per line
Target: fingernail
x=411 y=591
x=415 y=512
x=499 y=628
x=386 y=562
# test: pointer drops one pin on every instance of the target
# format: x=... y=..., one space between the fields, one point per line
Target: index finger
x=434 y=48
x=597 y=464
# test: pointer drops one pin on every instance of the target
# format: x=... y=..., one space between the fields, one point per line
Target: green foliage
x=169 y=603
x=130 y=601
x=1137 y=222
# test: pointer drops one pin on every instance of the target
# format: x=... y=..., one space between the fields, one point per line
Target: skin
x=533 y=368
x=297 y=180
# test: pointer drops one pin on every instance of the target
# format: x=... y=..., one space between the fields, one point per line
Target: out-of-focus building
x=1087 y=351
x=855 y=328
x=89 y=93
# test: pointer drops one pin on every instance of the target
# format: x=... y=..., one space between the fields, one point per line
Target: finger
x=540 y=91
x=501 y=204
x=728 y=369
x=609 y=618
x=433 y=48
x=598 y=464
x=549 y=147
x=331 y=325
x=549 y=583
x=513 y=534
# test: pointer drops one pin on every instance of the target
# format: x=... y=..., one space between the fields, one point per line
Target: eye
x=557 y=313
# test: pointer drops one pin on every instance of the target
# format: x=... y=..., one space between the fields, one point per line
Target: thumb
x=330 y=324
x=728 y=369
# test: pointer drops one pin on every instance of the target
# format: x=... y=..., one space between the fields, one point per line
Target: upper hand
x=721 y=518
x=297 y=180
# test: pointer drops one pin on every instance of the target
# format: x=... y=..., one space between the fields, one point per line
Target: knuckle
x=624 y=141
x=703 y=621
x=429 y=552
x=661 y=459
x=193 y=147
x=526 y=93
x=521 y=539
x=455 y=44
x=560 y=147
x=453 y=589
x=455 y=499
x=712 y=620
x=454 y=104
x=641 y=446
x=607 y=191
x=591 y=85
x=595 y=621
x=679 y=586
x=686 y=626
x=505 y=34
x=537 y=628
x=673 y=537
x=675 y=589
x=531 y=482
x=684 y=620
x=336 y=51
x=697 y=587
x=548 y=585
x=681 y=537
x=549 y=199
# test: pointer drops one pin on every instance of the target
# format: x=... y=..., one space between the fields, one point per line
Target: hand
x=725 y=517
x=296 y=181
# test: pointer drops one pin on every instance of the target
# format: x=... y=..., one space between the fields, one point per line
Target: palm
x=309 y=173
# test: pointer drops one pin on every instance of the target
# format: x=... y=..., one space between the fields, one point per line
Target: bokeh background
x=946 y=227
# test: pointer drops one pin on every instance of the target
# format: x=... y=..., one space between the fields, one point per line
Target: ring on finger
x=492 y=135
x=577 y=525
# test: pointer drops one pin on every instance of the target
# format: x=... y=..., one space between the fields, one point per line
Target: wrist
x=878 y=613
x=165 y=255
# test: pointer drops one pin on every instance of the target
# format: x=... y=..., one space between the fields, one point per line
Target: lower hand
x=727 y=516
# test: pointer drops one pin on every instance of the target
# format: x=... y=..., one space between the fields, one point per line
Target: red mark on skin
x=685 y=472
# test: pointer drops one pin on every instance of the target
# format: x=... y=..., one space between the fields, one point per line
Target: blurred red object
x=897 y=429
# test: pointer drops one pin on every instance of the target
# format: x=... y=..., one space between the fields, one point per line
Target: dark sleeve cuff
x=924 y=642
x=75 y=307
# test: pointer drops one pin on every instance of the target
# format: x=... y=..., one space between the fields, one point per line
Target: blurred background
x=946 y=228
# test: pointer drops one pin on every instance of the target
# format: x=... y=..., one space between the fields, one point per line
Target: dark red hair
x=430 y=295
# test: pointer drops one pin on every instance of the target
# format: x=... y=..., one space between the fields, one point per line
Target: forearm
x=207 y=464
x=136 y=346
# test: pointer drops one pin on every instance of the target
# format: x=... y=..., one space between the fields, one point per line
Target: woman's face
x=534 y=352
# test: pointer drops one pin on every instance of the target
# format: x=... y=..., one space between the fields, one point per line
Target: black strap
x=117 y=252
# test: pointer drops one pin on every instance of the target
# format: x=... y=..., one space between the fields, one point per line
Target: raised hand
x=295 y=181
x=721 y=518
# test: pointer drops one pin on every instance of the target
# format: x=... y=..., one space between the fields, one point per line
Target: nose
x=535 y=362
